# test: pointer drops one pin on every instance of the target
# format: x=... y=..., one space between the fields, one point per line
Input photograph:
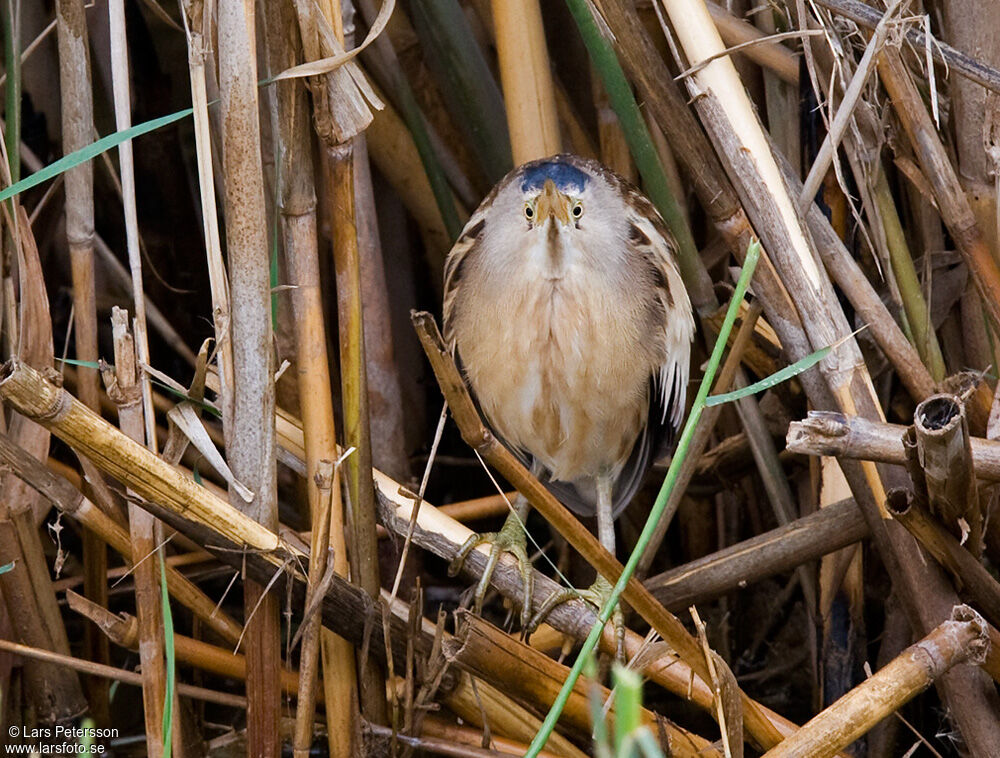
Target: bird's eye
x=529 y=211
x=577 y=209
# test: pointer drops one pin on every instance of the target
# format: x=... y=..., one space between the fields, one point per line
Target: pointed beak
x=552 y=203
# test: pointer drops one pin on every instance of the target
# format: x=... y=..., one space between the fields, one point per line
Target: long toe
x=510 y=539
x=597 y=595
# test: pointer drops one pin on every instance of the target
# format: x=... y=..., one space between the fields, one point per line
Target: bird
x=565 y=308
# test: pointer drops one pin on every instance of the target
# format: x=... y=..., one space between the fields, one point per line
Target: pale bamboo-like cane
x=526 y=79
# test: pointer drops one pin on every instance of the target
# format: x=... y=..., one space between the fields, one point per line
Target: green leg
x=510 y=539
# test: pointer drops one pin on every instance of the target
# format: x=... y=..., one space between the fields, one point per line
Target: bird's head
x=553 y=190
x=554 y=214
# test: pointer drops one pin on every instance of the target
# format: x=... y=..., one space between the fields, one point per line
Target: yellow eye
x=577 y=209
x=529 y=211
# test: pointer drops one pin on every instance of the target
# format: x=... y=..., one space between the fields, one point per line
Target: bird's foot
x=597 y=595
x=510 y=539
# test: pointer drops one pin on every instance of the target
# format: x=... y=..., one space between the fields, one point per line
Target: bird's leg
x=510 y=539
x=601 y=588
x=600 y=591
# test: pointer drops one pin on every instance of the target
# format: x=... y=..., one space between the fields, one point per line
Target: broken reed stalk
x=976 y=581
x=123 y=120
x=477 y=436
x=297 y=214
x=250 y=437
x=485 y=651
x=77 y=108
x=73 y=503
x=945 y=456
x=193 y=13
x=69 y=663
x=960 y=639
x=123 y=629
x=833 y=433
x=526 y=79
x=146 y=536
x=829 y=529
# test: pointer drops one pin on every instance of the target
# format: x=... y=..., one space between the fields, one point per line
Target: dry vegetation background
x=156 y=576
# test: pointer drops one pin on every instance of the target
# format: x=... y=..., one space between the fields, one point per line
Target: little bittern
x=566 y=308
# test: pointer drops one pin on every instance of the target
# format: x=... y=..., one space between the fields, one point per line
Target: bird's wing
x=653 y=244
x=467 y=241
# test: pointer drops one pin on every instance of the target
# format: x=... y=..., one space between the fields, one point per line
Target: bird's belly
x=558 y=377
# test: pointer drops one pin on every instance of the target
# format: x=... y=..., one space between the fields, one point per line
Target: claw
x=597 y=595
x=510 y=539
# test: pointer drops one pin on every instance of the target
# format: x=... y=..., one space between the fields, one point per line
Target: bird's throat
x=554 y=247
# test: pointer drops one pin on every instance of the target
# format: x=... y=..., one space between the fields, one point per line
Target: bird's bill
x=552 y=204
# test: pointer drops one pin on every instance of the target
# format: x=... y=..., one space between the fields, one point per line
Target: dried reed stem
x=77 y=108
x=123 y=120
x=961 y=638
x=123 y=629
x=977 y=582
x=297 y=214
x=27 y=588
x=309 y=657
x=117 y=674
x=806 y=539
x=353 y=379
x=250 y=438
x=831 y=433
x=526 y=79
x=146 y=538
x=194 y=26
x=945 y=455
x=514 y=667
